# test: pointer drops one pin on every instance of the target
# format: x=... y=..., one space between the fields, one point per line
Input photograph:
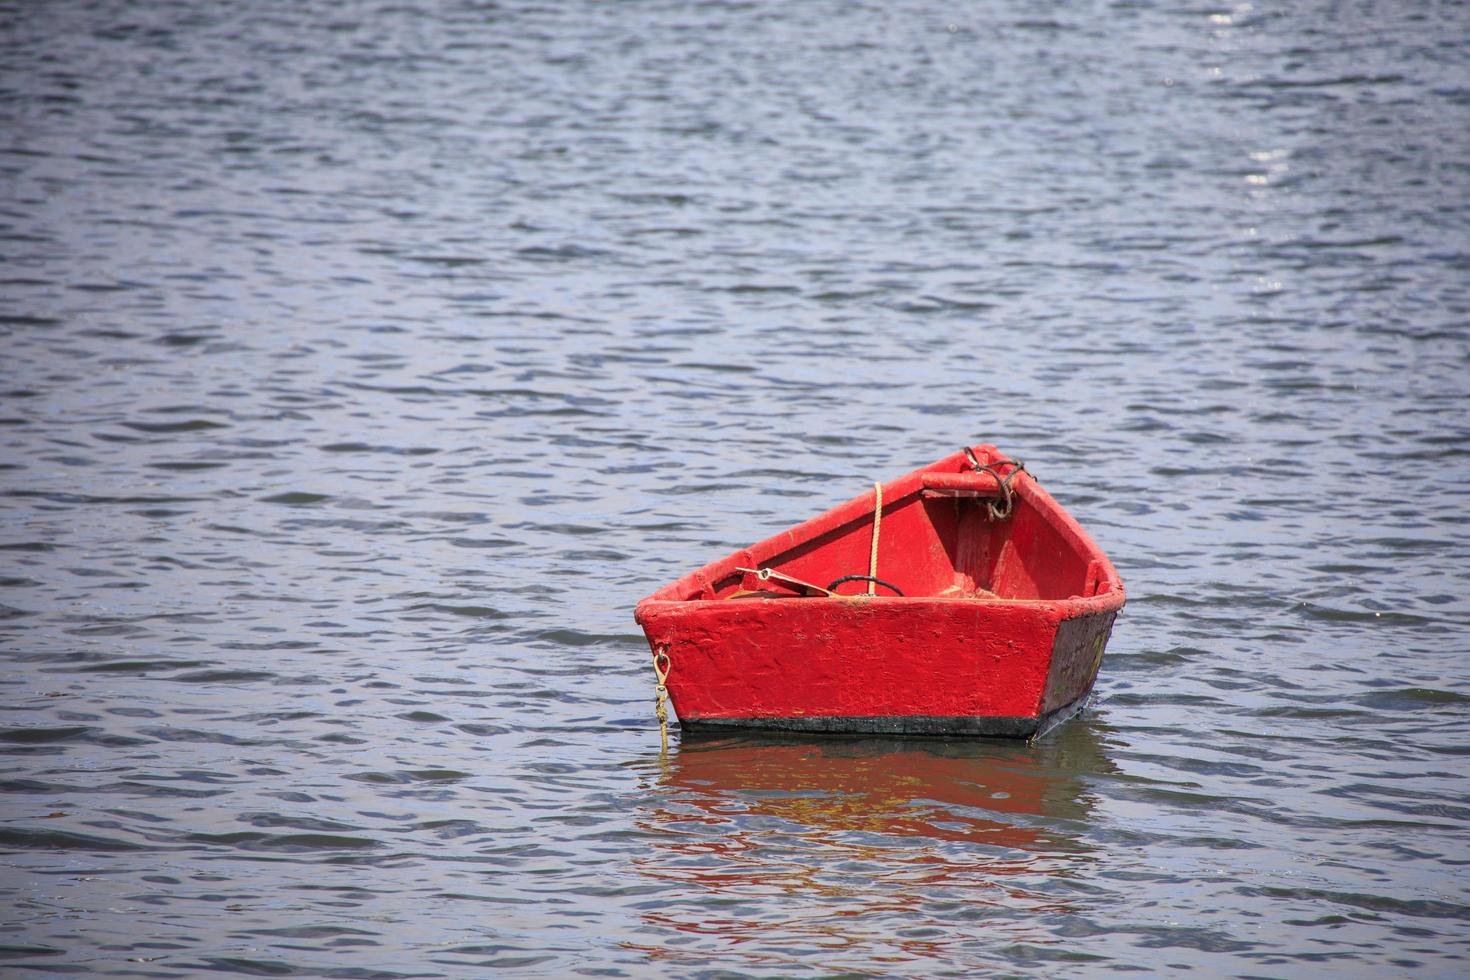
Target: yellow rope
x=877 y=524
x=661 y=667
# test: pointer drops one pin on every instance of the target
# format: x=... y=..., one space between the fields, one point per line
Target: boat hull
x=982 y=657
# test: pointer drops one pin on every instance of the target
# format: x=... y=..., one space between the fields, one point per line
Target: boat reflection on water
x=864 y=847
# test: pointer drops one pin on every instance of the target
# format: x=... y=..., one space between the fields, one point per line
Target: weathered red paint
x=1000 y=629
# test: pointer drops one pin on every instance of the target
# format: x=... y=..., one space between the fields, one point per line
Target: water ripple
x=364 y=363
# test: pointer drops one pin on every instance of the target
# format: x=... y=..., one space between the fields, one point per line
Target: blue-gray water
x=364 y=362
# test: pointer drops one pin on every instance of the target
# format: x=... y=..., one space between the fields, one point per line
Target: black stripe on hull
x=930 y=726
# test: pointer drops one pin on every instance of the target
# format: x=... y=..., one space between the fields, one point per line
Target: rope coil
x=1001 y=512
x=661 y=667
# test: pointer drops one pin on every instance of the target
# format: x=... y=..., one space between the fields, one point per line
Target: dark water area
x=362 y=363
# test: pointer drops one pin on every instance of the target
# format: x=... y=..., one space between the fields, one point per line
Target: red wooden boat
x=980 y=608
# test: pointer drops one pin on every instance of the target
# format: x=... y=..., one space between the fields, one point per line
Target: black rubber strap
x=865 y=578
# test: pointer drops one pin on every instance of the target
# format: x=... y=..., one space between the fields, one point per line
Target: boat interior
x=937 y=539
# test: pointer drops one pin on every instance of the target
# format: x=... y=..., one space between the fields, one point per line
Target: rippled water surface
x=363 y=363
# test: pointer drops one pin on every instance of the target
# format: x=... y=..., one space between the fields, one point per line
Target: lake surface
x=363 y=363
